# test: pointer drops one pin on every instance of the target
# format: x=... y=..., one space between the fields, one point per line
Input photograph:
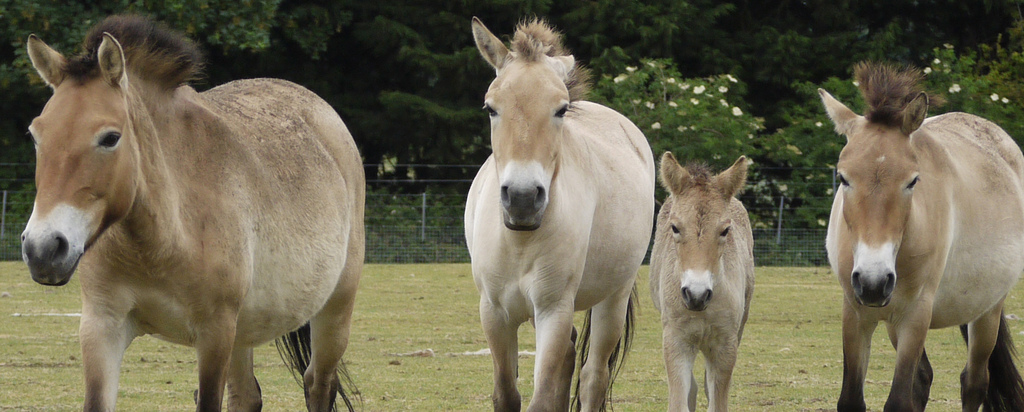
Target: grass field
x=790 y=359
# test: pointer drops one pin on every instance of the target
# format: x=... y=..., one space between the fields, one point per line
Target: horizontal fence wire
x=428 y=228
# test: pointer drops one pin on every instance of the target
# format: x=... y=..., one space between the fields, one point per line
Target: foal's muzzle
x=874 y=290
x=696 y=299
x=50 y=258
x=523 y=205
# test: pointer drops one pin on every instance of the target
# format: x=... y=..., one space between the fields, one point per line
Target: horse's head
x=878 y=172
x=700 y=224
x=528 y=101
x=86 y=159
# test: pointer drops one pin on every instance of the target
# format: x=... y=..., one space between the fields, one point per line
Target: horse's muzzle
x=523 y=206
x=696 y=300
x=50 y=259
x=874 y=290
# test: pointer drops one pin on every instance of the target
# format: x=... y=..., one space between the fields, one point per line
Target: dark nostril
x=62 y=246
x=686 y=293
x=708 y=298
x=504 y=194
x=855 y=278
x=890 y=282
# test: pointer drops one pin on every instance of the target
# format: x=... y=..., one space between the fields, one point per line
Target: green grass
x=790 y=359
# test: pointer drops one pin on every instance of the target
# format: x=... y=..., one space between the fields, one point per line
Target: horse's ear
x=110 y=56
x=914 y=114
x=490 y=46
x=843 y=118
x=563 y=65
x=674 y=177
x=732 y=180
x=48 y=62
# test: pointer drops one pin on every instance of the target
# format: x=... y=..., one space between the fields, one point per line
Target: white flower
x=649 y=105
x=635 y=101
x=630 y=69
x=955 y=88
x=684 y=86
x=722 y=89
x=681 y=128
x=1005 y=100
x=947 y=45
x=656 y=125
x=698 y=89
x=750 y=136
x=783 y=188
x=736 y=111
x=817 y=124
x=695 y=101
x=927 y=70
x=723 y=102
x=651 y=64
x=994 y=97
x=821 y=222
x=936 y=61
x=672 y=104
x=731 y=79
x=856 y=83
x=620 y=78
x=671 y=80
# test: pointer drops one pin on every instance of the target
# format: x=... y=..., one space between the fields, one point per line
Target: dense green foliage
x=408 y=80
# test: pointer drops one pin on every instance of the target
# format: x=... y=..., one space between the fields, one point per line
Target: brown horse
x=558 y=220
x=702 y=278
x=926 y=232
x=219 y=220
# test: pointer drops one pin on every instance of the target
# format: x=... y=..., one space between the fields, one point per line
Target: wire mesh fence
x=427 y=228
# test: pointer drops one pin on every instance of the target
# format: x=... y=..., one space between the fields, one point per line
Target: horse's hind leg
x=981 y=339
x=329 y=333
x=607 y=320
x=244 y=393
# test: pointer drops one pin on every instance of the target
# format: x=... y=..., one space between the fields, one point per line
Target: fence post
x=423 y=219
x=3 y=216
x=778 y=234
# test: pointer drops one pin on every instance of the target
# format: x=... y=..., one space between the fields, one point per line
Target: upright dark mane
x=700 y=173
x=152 y=51
x=887 y=89
x=535 y=38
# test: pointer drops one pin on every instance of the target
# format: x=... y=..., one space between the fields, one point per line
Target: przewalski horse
x=702 y=278
x=558 y=220
x=219 y=220
x=926 y=232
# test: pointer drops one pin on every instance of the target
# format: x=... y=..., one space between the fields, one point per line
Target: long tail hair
x=618 y=357
x=1005 y=386
x=295 y=351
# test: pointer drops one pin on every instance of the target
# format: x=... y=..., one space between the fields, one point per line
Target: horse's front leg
x=607 y=322
x=104 y=340
x=214 y=345
x=503 y=340
x=857 y=333
x=719 y=366
x=679 y=358
x=555 y=361
x=910 y=333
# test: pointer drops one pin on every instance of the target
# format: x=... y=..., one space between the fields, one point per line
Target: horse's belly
x=975 y=282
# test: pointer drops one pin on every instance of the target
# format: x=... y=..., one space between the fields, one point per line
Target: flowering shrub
x=698 y=119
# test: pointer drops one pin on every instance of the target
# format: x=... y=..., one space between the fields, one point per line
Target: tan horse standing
x=926 y=232
x=219 y=220
x=702 y=278
x=558 y=220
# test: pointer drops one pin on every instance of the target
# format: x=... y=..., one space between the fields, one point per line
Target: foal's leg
x=606 y=326
x=719 y=364
x=503 y=340
x=981 y=339
x=329 y=332
x=555 y=353
x=856 y=350
x=244 y=393
x=679 y=359
x=104 y=340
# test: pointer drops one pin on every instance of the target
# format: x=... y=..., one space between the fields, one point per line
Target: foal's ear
x=914 y=114
x=48 y=62
x=674 y=177
x=490 y=46
x=110 y=56
x=843 y=118
x=563 y=65
x=732 y=180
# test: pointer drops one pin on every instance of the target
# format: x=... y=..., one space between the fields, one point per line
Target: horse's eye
x=675 y=230
x=725 y=232
x=110 y=140
x=910 y=186
x=561 y=112
x=490 y=110
x=842 y=180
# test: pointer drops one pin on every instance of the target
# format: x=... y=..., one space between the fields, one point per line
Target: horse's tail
x=295 y=351
x=618 y=357
x=1005 y=386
